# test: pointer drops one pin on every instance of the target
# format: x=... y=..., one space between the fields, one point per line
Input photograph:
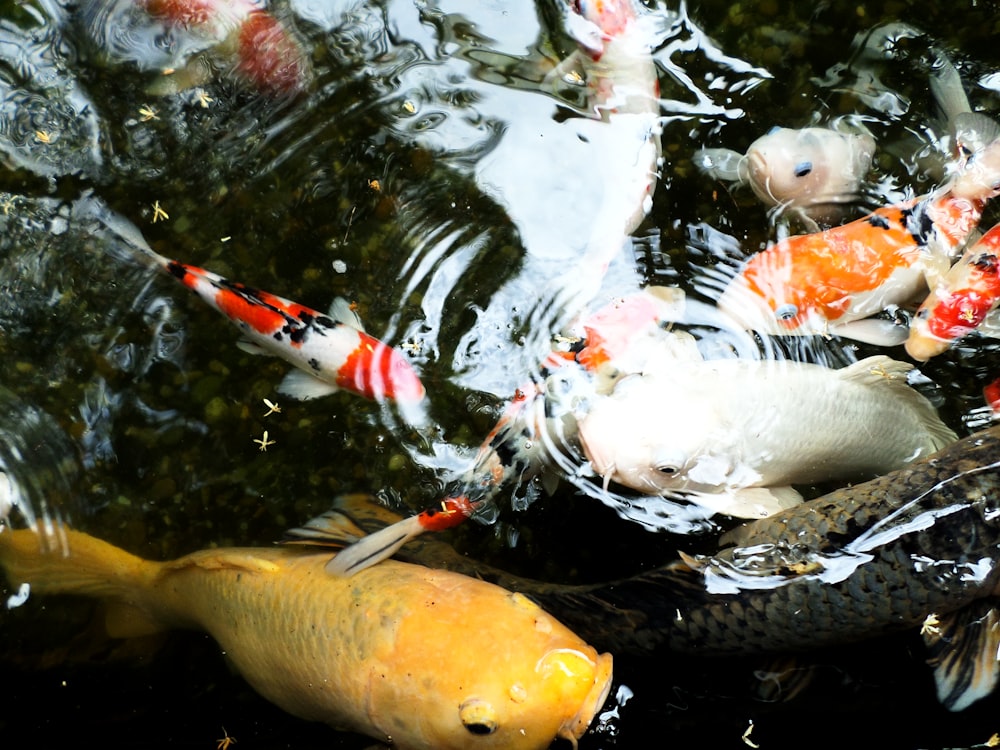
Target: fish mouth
x=573 y=728
x=925 y=347
x=599 y=461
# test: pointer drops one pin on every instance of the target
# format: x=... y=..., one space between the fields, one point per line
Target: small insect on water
x=263 y=442
x=225 y=742
x=272 y=408
x=158 y=212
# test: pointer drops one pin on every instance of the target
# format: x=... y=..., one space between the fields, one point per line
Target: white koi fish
x=625 y=336
x=734 y=435
x=814 y=171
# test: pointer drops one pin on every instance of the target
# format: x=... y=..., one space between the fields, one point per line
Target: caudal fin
x=83 y=566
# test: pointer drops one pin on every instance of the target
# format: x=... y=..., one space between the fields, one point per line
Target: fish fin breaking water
x=963 y=650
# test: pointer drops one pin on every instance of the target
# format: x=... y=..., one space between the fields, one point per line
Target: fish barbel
x=416 y=658
x=860 y=562
x=745 y=430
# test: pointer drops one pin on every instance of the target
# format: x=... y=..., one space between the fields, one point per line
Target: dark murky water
x=128 y=410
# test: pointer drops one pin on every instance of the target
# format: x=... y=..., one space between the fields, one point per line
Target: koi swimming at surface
x=959 y=303
x=419 y=659
x=831 y=282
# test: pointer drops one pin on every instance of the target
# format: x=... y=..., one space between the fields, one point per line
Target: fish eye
x=786 y=312
x=668 y=469
x=803 y=168
x=478 y=717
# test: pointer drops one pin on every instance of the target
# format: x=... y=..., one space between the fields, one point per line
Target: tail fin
x=85 y=566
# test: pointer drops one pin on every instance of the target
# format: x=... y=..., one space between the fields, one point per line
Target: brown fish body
x=859 y=562
x=417 y=657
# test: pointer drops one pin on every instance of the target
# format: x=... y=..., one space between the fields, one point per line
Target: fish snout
x=577 y=674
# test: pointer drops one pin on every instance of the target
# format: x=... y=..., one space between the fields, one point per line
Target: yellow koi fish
x=414 y=657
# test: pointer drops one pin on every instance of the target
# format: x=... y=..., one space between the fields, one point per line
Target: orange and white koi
x=829 y=282
x=624 y=337
x=332 y=351
x=960 y=302
x=265 y=51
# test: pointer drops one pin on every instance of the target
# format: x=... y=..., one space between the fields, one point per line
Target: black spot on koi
x=986 y=263
x=879 y=222
x=918 y=223
x=177 y=270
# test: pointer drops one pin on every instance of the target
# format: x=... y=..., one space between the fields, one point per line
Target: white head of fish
x=660 y=441
x=808 y=167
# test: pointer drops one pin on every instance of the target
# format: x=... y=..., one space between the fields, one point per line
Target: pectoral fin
x=876 y=331
x=251 y=348
x=749 y=502
x=342 y=311
x=375 y=548
x=351 y=518
x=963 y=648
x=302 y=386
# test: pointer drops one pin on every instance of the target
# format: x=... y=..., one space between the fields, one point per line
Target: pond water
x=401 y=173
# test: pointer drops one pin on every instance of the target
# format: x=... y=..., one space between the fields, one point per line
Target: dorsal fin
x=343 y=312
x=351 y=518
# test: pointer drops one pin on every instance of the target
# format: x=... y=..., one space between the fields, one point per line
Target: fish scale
x=883 y=589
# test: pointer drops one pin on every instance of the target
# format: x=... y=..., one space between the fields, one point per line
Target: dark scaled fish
x=915 y=549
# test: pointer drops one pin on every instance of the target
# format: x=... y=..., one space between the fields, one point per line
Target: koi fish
x=854 y=564
x=830 y=282
x=540 y=420
x=388 y=654
x=332 y=351
x=265 y=51
x=746 y=430
x=960 y=302
x=810 y=170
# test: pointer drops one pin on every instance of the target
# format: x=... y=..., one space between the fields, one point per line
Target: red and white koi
x=960 y=302
x=264 y=51
x=331 y=351
x=828 y=283
x=623 y=337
